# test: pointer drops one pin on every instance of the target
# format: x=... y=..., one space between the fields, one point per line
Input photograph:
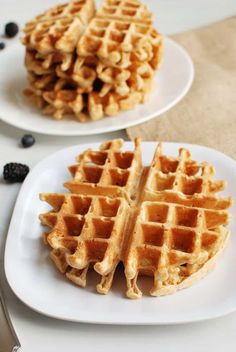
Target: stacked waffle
x=88 y=64
x=164 y=221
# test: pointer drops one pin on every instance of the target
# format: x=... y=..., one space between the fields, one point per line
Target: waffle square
x=58 y=28
x=171 y=242
x=126 y=10
x=83 y=9
x=85 y=230
x=180 y=175
x=108 y=172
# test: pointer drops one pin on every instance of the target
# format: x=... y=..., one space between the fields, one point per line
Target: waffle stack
x=91 y=65
x=165 y=220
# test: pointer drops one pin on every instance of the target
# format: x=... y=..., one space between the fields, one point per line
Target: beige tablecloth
x=207 y=115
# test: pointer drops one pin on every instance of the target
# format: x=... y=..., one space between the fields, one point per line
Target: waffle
x=171 y=242
x=126 y=10
x=43 y=64
x=180 y=175
x=109 y=58
x=120 y=211
x=116 y=90
x=111 y=104
x=137 y=78
x=122 y=33
x=111 y=90
x=90 y=73
x=179 y=224
x=59 y=28
x=39 y=83
x=119 y=44
x=85 y=230
x=63 y=102
x=82 y=9
x=96 y=104
x=56 y=97
x=108 y=172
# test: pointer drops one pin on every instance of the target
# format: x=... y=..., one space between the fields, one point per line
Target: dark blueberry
x=27 y=140
x=11 y=29
x=2 y=45
x=15 y=172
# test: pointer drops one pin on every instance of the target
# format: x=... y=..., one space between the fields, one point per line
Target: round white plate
x=37 y=282
x=173 y=81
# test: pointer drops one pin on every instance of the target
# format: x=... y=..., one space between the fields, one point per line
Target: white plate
x=39 y=285
x=172 y=83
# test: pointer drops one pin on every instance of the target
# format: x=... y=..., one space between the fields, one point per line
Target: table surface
x=38 y=333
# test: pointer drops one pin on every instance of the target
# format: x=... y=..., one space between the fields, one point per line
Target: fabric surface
x=207 y=114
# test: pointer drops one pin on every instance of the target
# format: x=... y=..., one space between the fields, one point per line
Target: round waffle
x=109 y=57
x=164 y=220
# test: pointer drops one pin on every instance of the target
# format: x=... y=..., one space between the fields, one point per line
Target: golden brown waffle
x=122 y=33
x=180 y=175
x=98 y=89
x=72 y=100
x=109 y=61
x=171 y=242
x=64 y=102
x=39 y=83
x=59 y=28
x=86 y=230
x=108 y=172
x=125 y=10
x=179 y=226
x=112 y=103
x=137 y=78
x=84 y=73
x=111 y=90
x=171 y=233
x=82 y=9
x=46 y=37
x=44 y=64
x=56 y=97
x=119 y=44
x=36 y=65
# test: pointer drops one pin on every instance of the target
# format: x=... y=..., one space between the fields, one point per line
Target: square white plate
x=36 y=281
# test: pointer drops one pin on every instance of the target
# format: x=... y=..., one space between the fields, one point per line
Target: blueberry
x=15 y=172
x=2 y=45
x=11 y=29
x=27 y=140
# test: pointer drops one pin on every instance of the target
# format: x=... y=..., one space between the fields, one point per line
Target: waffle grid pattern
x=84 y=230
x=103 y=64
x=76 y=8
x=127 y=10
x=169 y=233
x=171 y=242
x=118 y=43
x=181 y=175
x=108 y=172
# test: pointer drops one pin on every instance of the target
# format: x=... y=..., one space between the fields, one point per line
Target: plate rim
x=106 y=321
x=111 y=128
